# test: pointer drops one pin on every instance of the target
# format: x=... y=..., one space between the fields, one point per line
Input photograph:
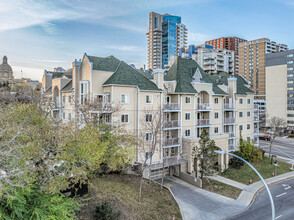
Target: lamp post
x=266 y=186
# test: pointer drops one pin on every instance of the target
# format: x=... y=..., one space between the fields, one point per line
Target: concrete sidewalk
x=228 y=181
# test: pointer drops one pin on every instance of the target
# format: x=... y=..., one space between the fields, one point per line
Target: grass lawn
x=264 y=168
x=221 y=188
x=122 y=191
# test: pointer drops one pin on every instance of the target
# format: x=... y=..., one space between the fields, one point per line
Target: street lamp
x=267 y=189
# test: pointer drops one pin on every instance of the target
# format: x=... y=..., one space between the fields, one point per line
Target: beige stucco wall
x=276 y=91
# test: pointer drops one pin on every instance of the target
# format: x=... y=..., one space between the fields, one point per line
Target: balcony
x=229 y=106
x=232 y=147
x=171 y=142
x=171 y=124
x=256 y=131
x=208 y=68
x=171 y=107
x=229 y=120
x=208 y=58
x=169 y=161
x=203 y=123
x=255 y=119
x=204 y=107
x=256 y=106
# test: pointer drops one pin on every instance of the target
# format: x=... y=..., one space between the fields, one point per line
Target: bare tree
x=149 y=140
x=276 y=125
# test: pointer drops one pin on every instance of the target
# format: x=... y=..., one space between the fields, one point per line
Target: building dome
x=5 y=70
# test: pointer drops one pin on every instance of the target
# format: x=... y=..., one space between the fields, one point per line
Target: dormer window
x=197 y=76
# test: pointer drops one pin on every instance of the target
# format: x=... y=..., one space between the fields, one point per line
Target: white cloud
x=198 y=38
x=127 y=48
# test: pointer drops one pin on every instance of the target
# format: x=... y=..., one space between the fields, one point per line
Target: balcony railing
x=103 y=106
x=170 y=161
x=229 y=120
x=172 y=106
x=229 y=106
x=171 y=142
x=204 y=122
x=256 y=130
x=256 y=106
x=255 y=119
x=232 y=147
x=171 y=124
x=204 y=106
x=231 y=134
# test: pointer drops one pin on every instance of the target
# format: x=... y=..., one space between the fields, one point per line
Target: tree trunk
x=140 y=191
x=150 y=169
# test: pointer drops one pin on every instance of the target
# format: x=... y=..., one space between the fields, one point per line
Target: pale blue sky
x=38 y=35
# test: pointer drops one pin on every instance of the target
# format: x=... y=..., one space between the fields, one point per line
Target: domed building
x=5 y=70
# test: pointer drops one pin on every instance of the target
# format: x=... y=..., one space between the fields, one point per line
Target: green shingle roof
x=126 y=75
x=146 y=73
x=67 y=87
x=109 y=63
x=222 y=79
x=182 y=72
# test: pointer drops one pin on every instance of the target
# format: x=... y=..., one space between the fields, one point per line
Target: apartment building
x=165 y=36
x=212 y=61
x=252 y=58
x=280 y=86
x=188 y=99
x=229 y=43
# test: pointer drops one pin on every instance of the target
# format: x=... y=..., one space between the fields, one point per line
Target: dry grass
x=221 y=188
x=122 y=192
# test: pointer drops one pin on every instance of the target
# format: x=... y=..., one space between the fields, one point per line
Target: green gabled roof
x=222 y=79
x=67 y=87
x=55 y=74
x=126 y=75
x=109 y=63
x=68 y=73
x=146 y=73
x=182 y=72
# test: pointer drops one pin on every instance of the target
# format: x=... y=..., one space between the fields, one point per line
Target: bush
x=31 y=203
x=235 y=162
x=104 y=211
x=249 y=152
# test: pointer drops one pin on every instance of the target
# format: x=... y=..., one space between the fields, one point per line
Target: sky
x=39 y=34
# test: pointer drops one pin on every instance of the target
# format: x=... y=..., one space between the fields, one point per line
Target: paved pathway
x=228 y=182
x=196 y=203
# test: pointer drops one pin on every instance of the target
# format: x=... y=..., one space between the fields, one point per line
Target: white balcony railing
x=256 y=119
x=172 y=106
x=204 y=122
x=204 y=106
x=256 y=131
x=229 y=106
x=231 y=134
x=229 y=120
x=256 y=106
x=171 y=124
x=171 y=142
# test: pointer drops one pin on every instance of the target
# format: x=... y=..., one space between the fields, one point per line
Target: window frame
x=188 y=130
x=151 y=99
x=188 y=98
x=126 y=101
x=187 y=113
x=148 y=136
x=147 y=117
x=126 y=122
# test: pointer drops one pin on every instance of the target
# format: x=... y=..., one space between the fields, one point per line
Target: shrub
x=235 y=162
x=31 y=203
x=249 y=152
x=104 y=211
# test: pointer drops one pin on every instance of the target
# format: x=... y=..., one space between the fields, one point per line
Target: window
x=290 y=62
x=216 y=101
x=124 y=99
x=188 y=133
x=69 y=99
x=124 y=118
x=240 y=114
x=63 y=99
x=240 y=101
x=290 y=55
x=69 y=116
x=290 y=68
x=248 y=114
x=148 y=136
x=83 y=92
x=187 y=116
x=169 y=89
x=188 y=100
x=248 y=101
x=248 y=126
x=240 y=127
x=248 y=139
x=148 y=117
x=107 y=118
x=148 y=99
x=216 y=130
x=216 y=115
x=63 y=114
x=107 y=98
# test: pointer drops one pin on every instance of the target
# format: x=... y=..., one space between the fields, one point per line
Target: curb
x=172 y=196
x=255 y=194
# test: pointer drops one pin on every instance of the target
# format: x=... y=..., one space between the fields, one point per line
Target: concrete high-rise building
x=211 y=60
x=280 y=86
x=252 y=59
x=166 y=35
x=229 y=43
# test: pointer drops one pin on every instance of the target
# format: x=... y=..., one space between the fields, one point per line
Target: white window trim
x=84 y=94
x=127 y=99
x=249 y=127
x=242 y=115
x=249 y=114
x=128 y=118
x=151 y=97
x=151 y=136
x=151 y=117
x=217 y=115
x=217 y=130
x=189 y=132
x=217 y=101
x=186 y=100
x=190 y=116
